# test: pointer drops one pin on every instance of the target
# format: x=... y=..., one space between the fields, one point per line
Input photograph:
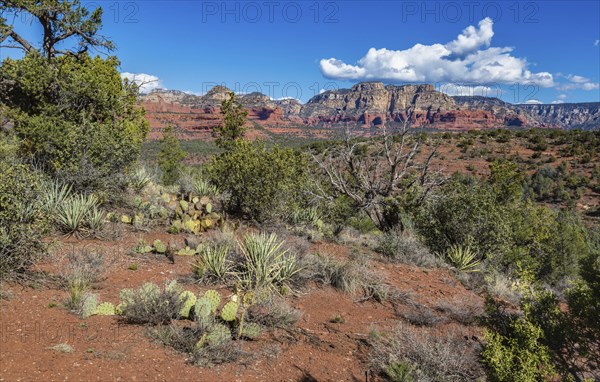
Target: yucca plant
x=139 y=178
x=212 y=262
x=203 y=187
x=95 y=219
x=308 y=215
x=71 y=216
x=463 y=258
x=53 y=195
x=266 y=263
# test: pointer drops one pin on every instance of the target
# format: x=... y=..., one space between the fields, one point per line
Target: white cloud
x=467 y=59
x=533 y=102
x=557 y=102
x=470 y=90
x=597 y=43
x=146 y=82
x=561 y=96
x=578 y=82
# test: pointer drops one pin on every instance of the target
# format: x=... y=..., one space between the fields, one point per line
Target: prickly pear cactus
x=149 y=292
x=105 y=309
x=209 y=208
x=229 y=311
x=202 y=313
x=125 y=219
x=251 y=330
x=190 y=302
x=173 y=287
x=159 y=246
x=214 y=298
x=88 y=307
x=184 y=205
x=187 y=251
x=217 y=335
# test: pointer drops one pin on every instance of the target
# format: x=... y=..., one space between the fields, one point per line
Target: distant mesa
x=368 y=105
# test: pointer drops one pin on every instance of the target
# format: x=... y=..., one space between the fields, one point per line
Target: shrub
x=170 y=157
x=514 y=349
x=22 y=224
x=74 y=117
x=262 y=184
x=462 y=258
x=150 y=304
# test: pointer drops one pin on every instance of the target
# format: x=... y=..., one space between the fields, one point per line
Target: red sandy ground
x=107 y=350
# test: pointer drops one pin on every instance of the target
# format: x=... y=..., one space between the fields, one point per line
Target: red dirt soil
x=107 y=350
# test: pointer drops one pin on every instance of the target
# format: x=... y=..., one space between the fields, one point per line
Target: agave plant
x=71 y=216
x=463 y=258
x=266 y=263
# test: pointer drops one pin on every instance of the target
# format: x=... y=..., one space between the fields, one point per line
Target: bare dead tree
x=382 y=175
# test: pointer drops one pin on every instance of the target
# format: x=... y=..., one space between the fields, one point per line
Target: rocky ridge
x=369 y=105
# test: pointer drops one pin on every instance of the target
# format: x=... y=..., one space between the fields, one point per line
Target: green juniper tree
x=232 y=128
x=170 y=156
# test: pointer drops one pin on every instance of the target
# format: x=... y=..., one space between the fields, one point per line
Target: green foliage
x=79 y=215
x=212 y=263
x=462 y=258
x=189 y=299
x=22 y=223
x=496 y=222
x=232 y=128
x=170 y=157
x=74 y=117
x=265 y=263
x=263 y=184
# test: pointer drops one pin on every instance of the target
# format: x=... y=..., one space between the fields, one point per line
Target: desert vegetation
x=369 y=251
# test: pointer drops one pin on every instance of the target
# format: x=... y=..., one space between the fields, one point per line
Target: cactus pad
x=187 y=251
x=106 y=309
x=209 y=208
x=190 y=301
x=214 y=298
x=125 y=219
x=251 y=330
x=229 y=311
x=217 y=335
x=159 y=246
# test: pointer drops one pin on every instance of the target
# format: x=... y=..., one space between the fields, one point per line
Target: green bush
x=22 y=223
x=170 y=157
x=262 y=184
x=74 y=117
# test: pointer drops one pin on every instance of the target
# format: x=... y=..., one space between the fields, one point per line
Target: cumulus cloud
x=467 y=59
x=470 y=90
x=533 y=102
x=146 y=82
x=578 y=82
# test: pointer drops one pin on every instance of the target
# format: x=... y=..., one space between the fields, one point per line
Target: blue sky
x=526 y=51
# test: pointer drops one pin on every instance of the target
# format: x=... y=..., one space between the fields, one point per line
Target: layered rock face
x=369 y=105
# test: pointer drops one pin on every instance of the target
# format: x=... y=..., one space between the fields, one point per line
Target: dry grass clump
x=425 y=355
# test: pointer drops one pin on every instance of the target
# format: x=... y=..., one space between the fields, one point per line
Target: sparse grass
x=62 y=348
x=421 y=354
x=79 y=272
x=273 y=311
x=397 y=247
x=464 y=310
x=353 y=276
